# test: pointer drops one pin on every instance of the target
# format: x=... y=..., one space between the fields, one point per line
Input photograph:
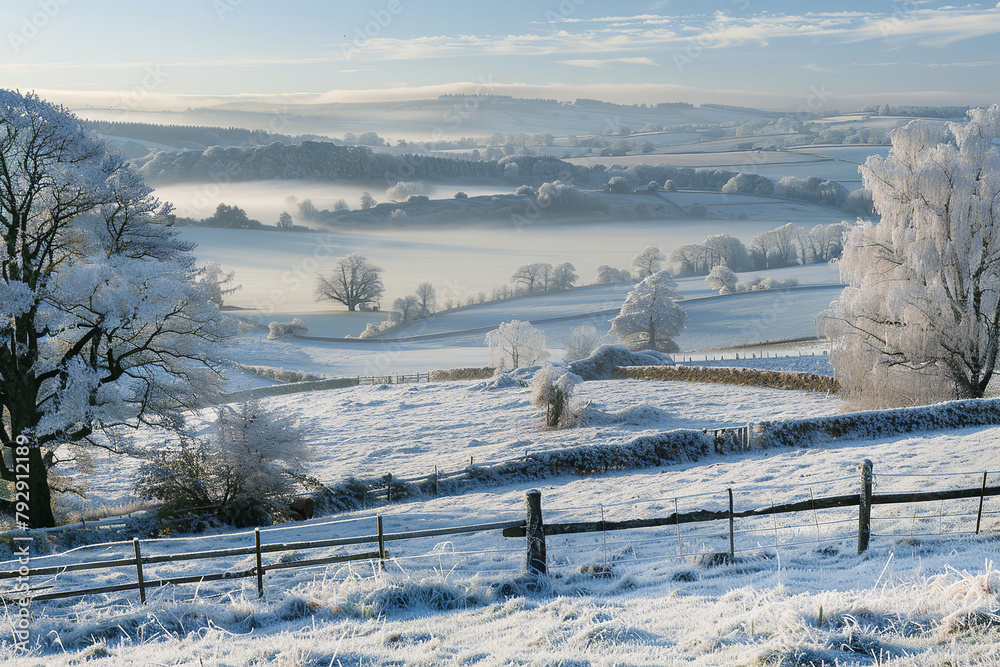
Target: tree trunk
x=36 y=494
x=40 y=502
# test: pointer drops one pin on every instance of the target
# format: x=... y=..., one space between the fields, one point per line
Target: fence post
x=982 y=495
x=381 y=542
x=865 y=507
x=260 y=564
x=388 y=488
x=732 y=538
x=535 y=530
x=138 y=569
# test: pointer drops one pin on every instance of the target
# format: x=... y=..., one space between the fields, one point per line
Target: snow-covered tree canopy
x=920 y=319
x=648 y=261
x=102 y=322
x=650 y=316
x=515 y=344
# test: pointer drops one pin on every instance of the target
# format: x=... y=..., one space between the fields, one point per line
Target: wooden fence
x=535 y=529
x=140 y=562
x=395 y=379
x=532 y=527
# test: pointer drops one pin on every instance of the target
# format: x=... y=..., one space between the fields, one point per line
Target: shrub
x=750 y=377
x=602 y=363
x=279 y=329
x=581 y=343
x=552 y=388
x=243 y=473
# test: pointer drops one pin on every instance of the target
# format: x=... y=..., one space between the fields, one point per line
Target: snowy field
x=278 y=269
x=925 y=593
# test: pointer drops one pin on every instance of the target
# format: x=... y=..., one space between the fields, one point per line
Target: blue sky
x=767 y=53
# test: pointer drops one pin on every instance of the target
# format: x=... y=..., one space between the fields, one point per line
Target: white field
x=923 y=594
x=278 y=269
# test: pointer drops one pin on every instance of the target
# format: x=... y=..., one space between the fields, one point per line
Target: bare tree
x=285 y=221
x=407 y=308
x=426 y=299
x=533 y=277
x=354 y=282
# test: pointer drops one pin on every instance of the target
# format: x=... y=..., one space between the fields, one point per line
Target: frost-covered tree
x=779 y=247
x=515 y=344
x=650 y=316
x=608 y=275
x=826 y=242
x=243 y=472
x=406 y=308
x=103 y=322
x=721 y=279
x=367 y=201
x=920 y=318
x=581 y=343
x=354 y=282
x=648 y=262
x=217 y=282
x=563 y=276
x=693 y=259
x=727 y=250
x=747 y=183
x=618 y=185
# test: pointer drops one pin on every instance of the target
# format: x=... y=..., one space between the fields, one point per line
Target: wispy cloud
x=608 y=62
x=813 y=67
x=611 y=34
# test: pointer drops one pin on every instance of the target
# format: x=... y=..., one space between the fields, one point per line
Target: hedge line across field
x=877 y=423
x=457 y=374
x=746 y=377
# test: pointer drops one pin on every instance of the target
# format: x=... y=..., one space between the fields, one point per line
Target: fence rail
x=533 y=528
x=394 y=379
x=258 y=550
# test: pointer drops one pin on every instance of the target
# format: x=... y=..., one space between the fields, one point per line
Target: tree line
x=783 y=246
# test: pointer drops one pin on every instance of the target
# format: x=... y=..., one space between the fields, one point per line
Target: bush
x=243 y=473
x=552 y=388
x=456 y=374
x=279 y=329
x=749 y=377
x=403 y=190
x=278 y=374
x=602 y=363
